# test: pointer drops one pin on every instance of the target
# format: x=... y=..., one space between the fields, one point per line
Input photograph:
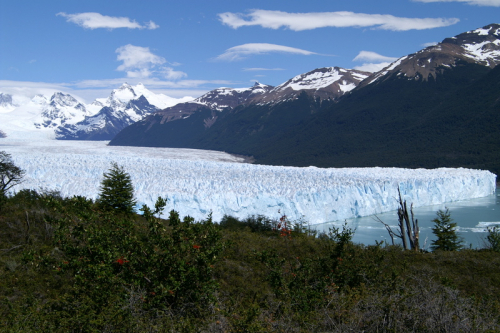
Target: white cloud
x=26 y=90
x=372 y=56
x=140 y=62
x=274 y=19
x=170 y=74
x=262 y=69
x=88 y=90
x=151 y=82
x=137 y=57
x=429 y=44
x=374 y=61
x=95 y=20
x=371 y=67
x=492 y=3
x=241 y=51
x=151 y=25
x=140 y=73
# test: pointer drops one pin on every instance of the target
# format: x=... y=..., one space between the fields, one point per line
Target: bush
x=120 y=264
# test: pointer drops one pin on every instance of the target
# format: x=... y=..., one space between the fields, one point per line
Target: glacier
x=198 y=182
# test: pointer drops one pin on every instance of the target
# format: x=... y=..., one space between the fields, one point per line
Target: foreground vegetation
x=74 y=265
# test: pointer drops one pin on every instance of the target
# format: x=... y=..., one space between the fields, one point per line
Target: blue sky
x=189 y=47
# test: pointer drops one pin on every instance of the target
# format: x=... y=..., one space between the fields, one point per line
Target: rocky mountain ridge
x=480 y=46
x=328 y=83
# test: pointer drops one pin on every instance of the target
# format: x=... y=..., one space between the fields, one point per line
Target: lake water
x=472 y=218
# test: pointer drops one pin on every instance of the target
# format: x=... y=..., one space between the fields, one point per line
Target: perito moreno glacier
x=199 y=182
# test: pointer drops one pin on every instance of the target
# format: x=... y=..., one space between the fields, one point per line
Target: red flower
x=121 y=261
x=196 y=247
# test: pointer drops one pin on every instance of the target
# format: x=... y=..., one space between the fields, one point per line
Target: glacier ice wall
x=197 y=186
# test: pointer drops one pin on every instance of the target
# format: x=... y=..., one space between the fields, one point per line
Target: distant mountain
x=59 y=110
x=436 y=107
x=105 y=124
x=322 y=85
x=123 y=107
x=62 y=116
x=6 y=103
x=480 y=46
x=212 y=102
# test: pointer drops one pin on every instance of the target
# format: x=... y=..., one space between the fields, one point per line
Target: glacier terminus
x=198 y=182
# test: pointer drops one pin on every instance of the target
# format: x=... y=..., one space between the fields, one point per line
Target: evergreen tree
x=494 y=238
x=444 y=229
x=117 y=191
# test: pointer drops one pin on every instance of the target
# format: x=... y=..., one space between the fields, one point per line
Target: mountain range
x=62 y=116
x=436 y=107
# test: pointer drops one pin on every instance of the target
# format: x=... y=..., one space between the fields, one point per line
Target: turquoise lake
x=472 y=218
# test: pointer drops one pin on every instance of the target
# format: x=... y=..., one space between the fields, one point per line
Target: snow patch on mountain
x=221 y=98
x=483 y=52
x=321 y=78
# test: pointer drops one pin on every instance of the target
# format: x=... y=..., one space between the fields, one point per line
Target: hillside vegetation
x=74 y=265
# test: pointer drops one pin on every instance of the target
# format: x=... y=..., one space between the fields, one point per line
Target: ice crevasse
x=198 y=187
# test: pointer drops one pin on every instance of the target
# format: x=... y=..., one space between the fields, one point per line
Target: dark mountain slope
x=156 y=131
x=246 y=129
x=453 y=120
x=241 y=130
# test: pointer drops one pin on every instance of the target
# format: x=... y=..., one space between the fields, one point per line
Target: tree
x=117 y=191
x=444 y=229
x=493 y=238
x=10 y=174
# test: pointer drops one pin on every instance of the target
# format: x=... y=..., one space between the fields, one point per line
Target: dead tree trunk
x=407 y=227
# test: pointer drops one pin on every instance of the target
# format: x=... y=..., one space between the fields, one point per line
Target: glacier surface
x=198 y=182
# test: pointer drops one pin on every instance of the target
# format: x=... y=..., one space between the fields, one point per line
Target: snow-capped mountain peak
x=323 y=78
x=40 y=99
x=60 y=99
x=480 y=46
x=323 y=83
x=222 y=98
x=62 y=108
x=125 y=93
x=6 y=103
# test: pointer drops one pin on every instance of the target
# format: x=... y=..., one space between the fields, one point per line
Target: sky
x=186 y=48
